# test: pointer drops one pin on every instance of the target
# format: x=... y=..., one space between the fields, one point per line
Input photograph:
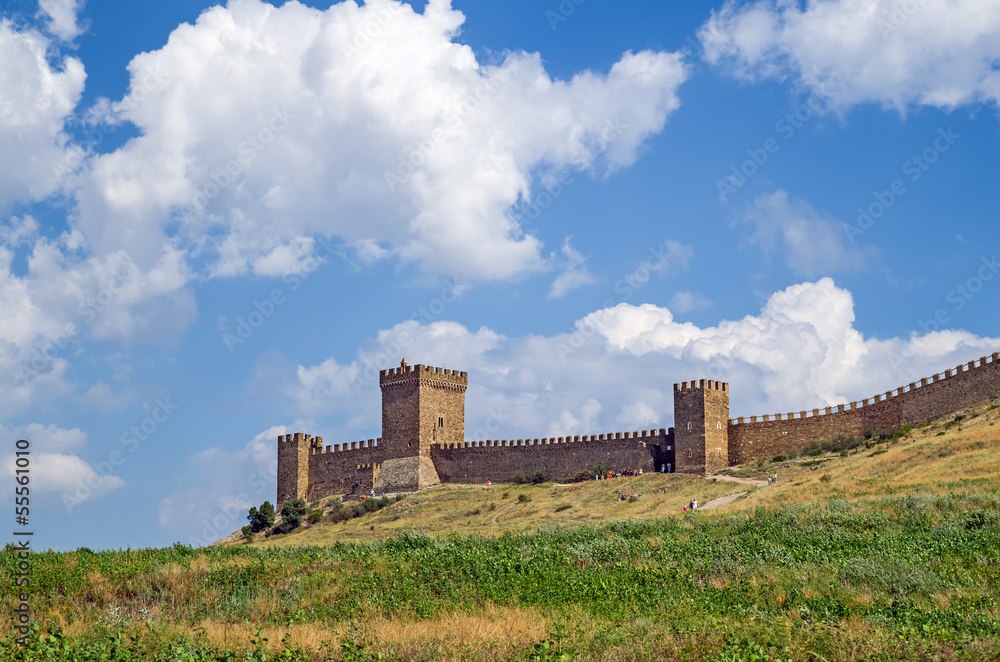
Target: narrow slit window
x=440 y=421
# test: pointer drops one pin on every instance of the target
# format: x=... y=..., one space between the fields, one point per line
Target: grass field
x=882 y=553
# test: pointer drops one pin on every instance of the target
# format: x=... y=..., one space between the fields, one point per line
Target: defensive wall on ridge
x=423 y=428
x=561 y=458
x=918 y=402
x=308 y=469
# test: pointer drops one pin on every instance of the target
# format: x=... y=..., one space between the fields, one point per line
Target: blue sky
x=218 y=223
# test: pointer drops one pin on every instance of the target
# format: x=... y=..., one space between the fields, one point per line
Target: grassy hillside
x=887 y=552
x=957 y=454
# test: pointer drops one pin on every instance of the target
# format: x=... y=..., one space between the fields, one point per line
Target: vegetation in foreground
x=865 y=572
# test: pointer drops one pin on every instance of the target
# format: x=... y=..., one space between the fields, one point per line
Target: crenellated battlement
x=645 y=436
x=406 y=375
x=701 y=385
x=913 y=404
x=879 y=399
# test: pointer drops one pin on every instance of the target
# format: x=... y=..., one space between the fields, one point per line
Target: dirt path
x=502 y=511
x=743 y=481
x=721 y=501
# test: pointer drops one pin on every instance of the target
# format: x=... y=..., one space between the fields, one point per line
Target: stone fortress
x=423 y=435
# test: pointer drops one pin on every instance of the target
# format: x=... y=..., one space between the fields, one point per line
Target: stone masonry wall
x=561 y=458
x=343 y=469
x=916 y=403
x=440 y=400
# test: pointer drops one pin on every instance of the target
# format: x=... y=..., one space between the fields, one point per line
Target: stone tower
x=421 y=405
x=701 y=426
x=293 y=465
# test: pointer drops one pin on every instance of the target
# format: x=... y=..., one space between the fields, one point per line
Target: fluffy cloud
x=39 y=92
x=262 y=127
x=62 y=17
x=812 y=244
x=63 y=298
x=54 y=467
x=856 y=51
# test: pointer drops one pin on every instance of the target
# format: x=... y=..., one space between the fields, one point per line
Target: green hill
x=881 y=550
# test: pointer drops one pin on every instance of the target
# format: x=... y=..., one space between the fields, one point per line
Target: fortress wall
x=913 y=404
x=561 y=458
x=343 y=468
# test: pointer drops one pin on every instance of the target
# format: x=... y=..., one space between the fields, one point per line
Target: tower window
x=689 y=426
x=440 y=421
x=718 y=425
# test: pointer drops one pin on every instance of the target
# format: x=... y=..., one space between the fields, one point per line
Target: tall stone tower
x=421 y=405
x=293 y=465
x=701 y=426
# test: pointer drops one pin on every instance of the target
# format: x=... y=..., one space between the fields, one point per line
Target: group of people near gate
x=618 y=474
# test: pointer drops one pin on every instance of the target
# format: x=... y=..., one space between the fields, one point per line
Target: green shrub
x=315 y=516
x=261 y=519
x=779 y=458
x=523 y=498
x=825 y=478
x=520 y=478
x=539 y=477
x=600 y=469
x=493 y=506
x=812 y=450
x=247 y=532
x=292 y=513
x=563 y=507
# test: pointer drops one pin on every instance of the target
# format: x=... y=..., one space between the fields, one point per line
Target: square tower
x=421 y=405
x=701 y=426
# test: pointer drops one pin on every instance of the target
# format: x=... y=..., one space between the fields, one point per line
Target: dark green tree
x=292 y=513
x=263 y=519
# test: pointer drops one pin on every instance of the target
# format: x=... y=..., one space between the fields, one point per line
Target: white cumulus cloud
x=930 y=52
x=40 y=92
x=262 y=126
